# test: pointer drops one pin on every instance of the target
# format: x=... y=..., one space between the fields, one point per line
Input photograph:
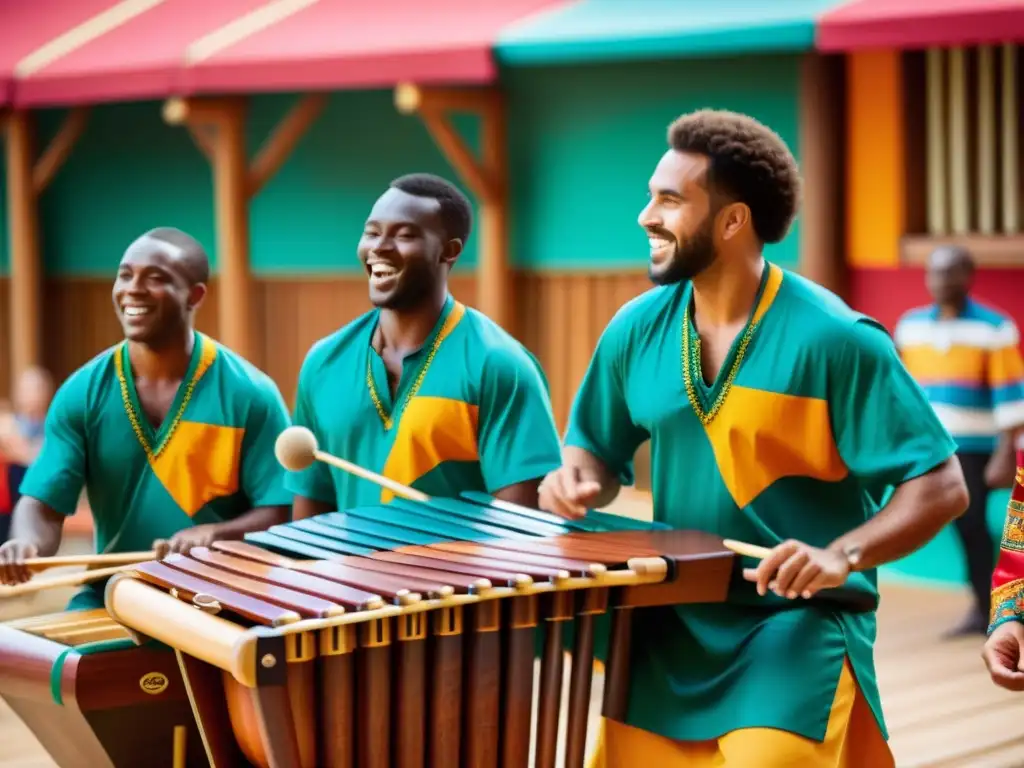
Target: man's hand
x=13 y=554
x=564 y=493
x=184 y=541
x=1000 y=470
x=794 y=569
x=1002 y=655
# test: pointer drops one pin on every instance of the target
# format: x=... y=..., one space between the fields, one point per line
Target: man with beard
x=779 y=417
x=170 y=433
x=421 y=389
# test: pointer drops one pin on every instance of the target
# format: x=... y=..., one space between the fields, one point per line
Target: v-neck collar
x=708 y=392
x=377 y=375
x=155 y=438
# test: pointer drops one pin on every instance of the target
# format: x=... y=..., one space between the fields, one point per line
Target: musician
x=1003 y=650
x=421 y=388
x=170 y=433
x=780 y=417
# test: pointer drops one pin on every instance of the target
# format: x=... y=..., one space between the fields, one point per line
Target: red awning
x=335 y=44
x=909 y=24
x=143 y=49
x=138 y=56
x=28 y=25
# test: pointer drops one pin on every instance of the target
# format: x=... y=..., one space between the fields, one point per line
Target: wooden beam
x=218 y=128
x=27 y=178
x=280 y=144
x=486 y=177
x=25 y=265
x=822 y=153
x=59 y=148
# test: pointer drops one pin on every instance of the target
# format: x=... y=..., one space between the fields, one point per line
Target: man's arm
x=601 y=439
x=889 y=437
x=304 y=507
x=917 y=511
x=36 y=531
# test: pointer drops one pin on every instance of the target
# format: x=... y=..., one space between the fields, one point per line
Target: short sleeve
x=57 y=476
x=262 y=476
x=315 y=481
x=516 y=433
x=886 y=430
x=600 y=421
x=1005 y=375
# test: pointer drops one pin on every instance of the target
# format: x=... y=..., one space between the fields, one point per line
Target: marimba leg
x=594 y=602
x=517 y=685
x=410 y=690
x=206 y=693
x=373 y=692
x=483 y=686
x=445 y=734
x=549 y=702
x=337 y=696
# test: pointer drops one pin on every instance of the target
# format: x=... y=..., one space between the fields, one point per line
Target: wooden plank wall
x=560 y=317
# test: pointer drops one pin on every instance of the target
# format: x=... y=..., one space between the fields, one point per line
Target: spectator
x=965 y=356
x=21 y=436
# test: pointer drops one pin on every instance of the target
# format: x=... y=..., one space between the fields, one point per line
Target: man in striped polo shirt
x=966 y=357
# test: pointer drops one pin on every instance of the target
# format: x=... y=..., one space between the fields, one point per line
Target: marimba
x=93 y=697
x=404 y=634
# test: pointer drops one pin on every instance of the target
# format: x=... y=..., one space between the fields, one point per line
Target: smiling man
x=171 y=434
x=421 y=388
x=779 y=417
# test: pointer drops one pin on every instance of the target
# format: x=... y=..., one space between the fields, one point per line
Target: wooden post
x=486 y=177
x=27 y=178
x=218 y=128
x=822 y=148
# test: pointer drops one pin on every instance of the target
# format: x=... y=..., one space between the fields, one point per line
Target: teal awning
x=593 y=31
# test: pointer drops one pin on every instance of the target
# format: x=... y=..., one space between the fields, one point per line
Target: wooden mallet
x=296 y=449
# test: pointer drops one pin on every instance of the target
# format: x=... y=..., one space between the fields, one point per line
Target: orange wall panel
x=875 y=159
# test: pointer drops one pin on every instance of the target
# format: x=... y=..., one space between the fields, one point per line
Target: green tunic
x=821 y=421
x=211 y=460
x=472 y=413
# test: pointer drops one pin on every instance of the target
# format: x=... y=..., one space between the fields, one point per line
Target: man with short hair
x=966 y=357
x=421 y=388
x=779 y=417
x=170 y=433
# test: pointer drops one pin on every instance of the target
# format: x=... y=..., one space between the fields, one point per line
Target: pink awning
x=147 y=49
x=335 y=44
x=910 y=24
x=27 y=25
x=138 y=58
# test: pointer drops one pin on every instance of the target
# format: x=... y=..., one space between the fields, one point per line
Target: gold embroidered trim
x=135 y=418
x=386 y=419
x=1008 y=601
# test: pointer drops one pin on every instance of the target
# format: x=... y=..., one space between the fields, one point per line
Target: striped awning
x=62 y=52
x=589 y=31
x=915 y=24
x=26 y=28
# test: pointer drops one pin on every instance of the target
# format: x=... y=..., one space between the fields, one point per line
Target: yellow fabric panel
x=200 y=463
x=431 y=431
x=759 y=437
x=961 y=364
x=852 y=740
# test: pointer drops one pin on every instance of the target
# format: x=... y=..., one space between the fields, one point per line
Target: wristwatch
x=852 y=554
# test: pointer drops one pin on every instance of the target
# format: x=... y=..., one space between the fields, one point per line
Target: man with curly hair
x=777 y=416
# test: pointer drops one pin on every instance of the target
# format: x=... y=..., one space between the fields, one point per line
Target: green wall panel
x=584 y=140
x=131 y=172
x=128 y=173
